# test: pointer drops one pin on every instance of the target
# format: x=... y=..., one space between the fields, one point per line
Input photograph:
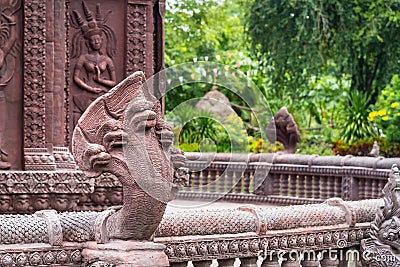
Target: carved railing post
x=195 y=177
x=238 y=180
x=247 y=182
x=271 y=261
x=206 y=263
x=221 y=181
x=301 y=187
x=226 y=262
x=308 y=186
x=290 y=260
x=310 y=260
x=248 y=262
x=329 y=260
x=337 y=186
x=205 y=181
x=292 y=179
x=213 y=176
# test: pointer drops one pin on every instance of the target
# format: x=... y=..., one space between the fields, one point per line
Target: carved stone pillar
x=159 y=44
x=36 y=154
x=36 y=103
x=159 y=49
x=145 y=41
x=139 y=43
x=45 y=105
x=57 y=110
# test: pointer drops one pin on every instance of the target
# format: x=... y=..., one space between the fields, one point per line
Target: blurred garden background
x=333 y=63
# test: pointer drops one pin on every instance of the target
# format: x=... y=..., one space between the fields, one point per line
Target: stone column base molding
x=120 y=253
x=39 y=159
x=64 y=159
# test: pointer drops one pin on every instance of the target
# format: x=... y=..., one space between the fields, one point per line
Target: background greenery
x=333 y=63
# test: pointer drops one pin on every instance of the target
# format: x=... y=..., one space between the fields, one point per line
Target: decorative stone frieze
x=43 y=255
x=200 y=248
x=29 y=191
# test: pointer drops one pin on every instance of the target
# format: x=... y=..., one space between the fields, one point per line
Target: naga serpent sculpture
x=123 y=133
x=380 y=250
x=283 y=128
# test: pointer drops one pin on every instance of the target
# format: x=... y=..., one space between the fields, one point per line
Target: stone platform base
x=120 y=253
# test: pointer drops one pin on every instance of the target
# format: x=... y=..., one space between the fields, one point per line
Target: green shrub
x=387 y=111
x=356 y=124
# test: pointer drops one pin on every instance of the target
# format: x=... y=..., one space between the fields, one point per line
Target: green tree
x=202 y=29
x=306 y=38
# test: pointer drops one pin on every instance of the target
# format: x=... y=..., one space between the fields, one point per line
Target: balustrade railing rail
x=283 y=178
x=325 y=234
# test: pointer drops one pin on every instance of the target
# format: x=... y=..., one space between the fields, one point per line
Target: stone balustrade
x=313 y=234
x=284 y=178
x=280 y=179
x=319 y=234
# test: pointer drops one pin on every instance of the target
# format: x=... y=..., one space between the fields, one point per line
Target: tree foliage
x=304 y=38
x=204 y=30
x=199 y=30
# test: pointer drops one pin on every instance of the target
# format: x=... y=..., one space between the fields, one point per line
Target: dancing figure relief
x=8 y=53
x=94 y=71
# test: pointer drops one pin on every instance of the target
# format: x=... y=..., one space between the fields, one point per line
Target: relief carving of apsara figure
x=8 y=52
x=94 y=71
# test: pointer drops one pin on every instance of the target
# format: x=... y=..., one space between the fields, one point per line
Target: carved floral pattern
x=26 y=192
x=23 y=182
x=136 y=38
x=70 y=257
x=224 y=248
x=34 y=73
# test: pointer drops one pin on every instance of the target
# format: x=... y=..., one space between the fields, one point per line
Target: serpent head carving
x=123 y=133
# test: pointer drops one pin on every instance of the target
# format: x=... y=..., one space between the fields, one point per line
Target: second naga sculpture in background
x=284 y=128
x=123 y=133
